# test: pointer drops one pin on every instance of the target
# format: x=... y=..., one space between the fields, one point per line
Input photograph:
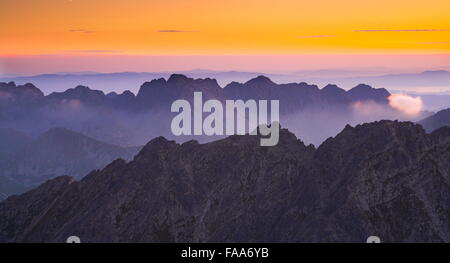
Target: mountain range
x=121 y=81
x=72 y=157
x=127 y=119
x=89 y=117
x=390 y=179
x=27 y=162
x=177 y=86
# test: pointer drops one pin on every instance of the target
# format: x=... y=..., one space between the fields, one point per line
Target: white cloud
x=407 y=104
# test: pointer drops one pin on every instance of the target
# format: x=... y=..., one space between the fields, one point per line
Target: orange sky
x=209 y=27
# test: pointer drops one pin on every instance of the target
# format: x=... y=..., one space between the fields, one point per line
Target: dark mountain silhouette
x=80 y=93
x=159 y=92
x=347 y=79
x=121 y=81
x=386 y=178
x=56 y=152
x=364 y=92
x=436 y=121
x=12 y=93
x=126 y=119
x=121 y=101
x=17 y=100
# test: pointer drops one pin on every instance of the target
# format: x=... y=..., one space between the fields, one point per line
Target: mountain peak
x=127 y=93
x=26 y=91
x=365 y=92
x=377 y=135
x=332 y=88
x=362 y=87
x=8 y=85
x=82 y=88
x=156 y=146
x=82 y=93
x=29 y=86
x=260 y=81
x=112 y=94
x=175 y=78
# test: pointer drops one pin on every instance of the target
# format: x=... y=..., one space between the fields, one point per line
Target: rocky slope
x=389 y=179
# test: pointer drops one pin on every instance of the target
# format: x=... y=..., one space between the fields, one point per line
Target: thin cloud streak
x=85 y=31
x=435 y=43
x=176 y=31
x=400 y=30
x=95 y=51
x=317 y=36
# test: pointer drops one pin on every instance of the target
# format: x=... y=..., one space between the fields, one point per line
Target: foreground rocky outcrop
x=387 y=178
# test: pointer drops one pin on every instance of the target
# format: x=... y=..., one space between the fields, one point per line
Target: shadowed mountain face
x=11 y=141
x=436 y=121
x=387 y=178
x=129 y=120
x=56 y=152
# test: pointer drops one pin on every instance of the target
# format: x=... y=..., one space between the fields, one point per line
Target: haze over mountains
x=385 y=178
x=27 y=162
x=127 y=119
x=432 y=81
x=76 y=131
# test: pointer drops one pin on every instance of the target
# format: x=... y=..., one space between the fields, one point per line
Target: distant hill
x=56 y=152
x=423 y=82
x=436 y=121
x=426 y=78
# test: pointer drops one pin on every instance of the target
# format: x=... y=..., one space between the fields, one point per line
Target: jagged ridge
x=386 y=178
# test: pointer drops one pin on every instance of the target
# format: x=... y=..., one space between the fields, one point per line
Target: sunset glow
x=199 y=27
x=223 y=27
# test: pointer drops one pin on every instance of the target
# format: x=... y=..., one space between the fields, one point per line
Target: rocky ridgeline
x=388 y=179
